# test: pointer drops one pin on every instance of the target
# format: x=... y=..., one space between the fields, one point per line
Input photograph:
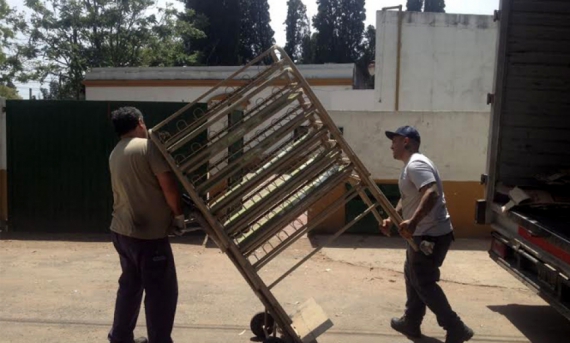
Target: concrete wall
x=446 y=64
x=330 y=96
x=455 y=141
x=309 y=71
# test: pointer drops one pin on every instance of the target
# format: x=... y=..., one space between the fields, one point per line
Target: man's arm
x=399 y=207
x=166 y=179
x=169 y=187
x=429 y=194
x=387 y=223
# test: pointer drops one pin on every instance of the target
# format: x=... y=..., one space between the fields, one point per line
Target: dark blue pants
x=422 y=274
x=147 y=265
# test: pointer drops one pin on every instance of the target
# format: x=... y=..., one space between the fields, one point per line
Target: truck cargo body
x=529 y=148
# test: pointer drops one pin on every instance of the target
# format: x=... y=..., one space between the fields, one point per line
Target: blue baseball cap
x=405 y=131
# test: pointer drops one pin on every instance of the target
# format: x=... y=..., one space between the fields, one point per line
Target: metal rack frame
x=254 y=219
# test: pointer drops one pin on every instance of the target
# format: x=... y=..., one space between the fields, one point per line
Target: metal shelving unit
x=291 y=155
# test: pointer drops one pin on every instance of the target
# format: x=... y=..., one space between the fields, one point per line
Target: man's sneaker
x=404 y=327
x=459 y=335
x=141 y=340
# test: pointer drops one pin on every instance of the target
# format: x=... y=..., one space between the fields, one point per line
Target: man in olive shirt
x=146 y=206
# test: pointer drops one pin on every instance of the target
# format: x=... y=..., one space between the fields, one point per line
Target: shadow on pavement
x=346 y=241
x=354 y=241
x=194 y=238
x=539 y=324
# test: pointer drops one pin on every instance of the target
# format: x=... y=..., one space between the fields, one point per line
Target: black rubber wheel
x=257 y=323
x=273 y=340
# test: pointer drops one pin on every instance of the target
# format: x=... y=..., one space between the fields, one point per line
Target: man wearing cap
x=426 y=220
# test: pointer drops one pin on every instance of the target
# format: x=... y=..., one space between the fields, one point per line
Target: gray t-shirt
x=419 y=172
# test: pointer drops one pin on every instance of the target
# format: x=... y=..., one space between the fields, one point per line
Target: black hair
x=414 y=144
x=125 y=119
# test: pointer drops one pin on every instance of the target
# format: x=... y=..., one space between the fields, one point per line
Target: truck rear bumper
x=538 y=275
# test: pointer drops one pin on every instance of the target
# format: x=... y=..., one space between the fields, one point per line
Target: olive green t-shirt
x=140 y=209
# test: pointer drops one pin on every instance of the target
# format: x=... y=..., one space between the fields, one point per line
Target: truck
x=527 y=177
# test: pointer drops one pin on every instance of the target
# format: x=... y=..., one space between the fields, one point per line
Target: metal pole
x=399 y=54
x=399 y=58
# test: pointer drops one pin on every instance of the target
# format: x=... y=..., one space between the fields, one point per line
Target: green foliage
x=414 y=5
x=11 y=25
x=220 y=22
x=67 y=37
x=309 y=49
x=256 y=34
x=237 y=30
x=426 y=5
x=298 y=31
x=9 y=93
x=340 y=26
x=434 y=6
x=368 y=53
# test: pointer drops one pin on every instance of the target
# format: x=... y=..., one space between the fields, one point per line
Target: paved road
x=62 y=290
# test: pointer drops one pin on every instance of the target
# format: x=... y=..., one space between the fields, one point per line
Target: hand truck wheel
x=259 y=322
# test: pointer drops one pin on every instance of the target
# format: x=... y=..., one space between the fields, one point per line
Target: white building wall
x=446 y=64
x=326 y=94
x=455 y=141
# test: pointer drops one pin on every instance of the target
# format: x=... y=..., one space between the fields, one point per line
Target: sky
x=278 y=12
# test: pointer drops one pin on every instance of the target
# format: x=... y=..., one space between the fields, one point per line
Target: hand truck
x=257 y=174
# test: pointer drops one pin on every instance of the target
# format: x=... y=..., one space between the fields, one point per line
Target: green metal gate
x=58 y=172
x=369 y=224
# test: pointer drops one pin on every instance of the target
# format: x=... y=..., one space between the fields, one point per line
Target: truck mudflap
x=525 y=264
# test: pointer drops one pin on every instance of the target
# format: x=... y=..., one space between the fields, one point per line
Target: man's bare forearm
x=171 y=194
x=173 y=200
x=399 y=207
x=427 y=203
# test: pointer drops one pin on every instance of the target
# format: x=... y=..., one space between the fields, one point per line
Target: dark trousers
x=147 y=265
x=422 y=274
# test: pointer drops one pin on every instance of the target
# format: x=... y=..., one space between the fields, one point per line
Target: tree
x=53 y=92
x=414 y=5
x=7 y=92
x=309 y=49
x=340 y=26
x=427 y=5
x=434 y=6
x=236 y=30
x=220 y=21
x=256 y=34
x=6 y=35
x=67 y=37
x=368 y=53
x=298 y=30
x=165 y=47
x=11 y=68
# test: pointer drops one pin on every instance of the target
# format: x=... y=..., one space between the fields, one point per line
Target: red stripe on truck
x=544 y=245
